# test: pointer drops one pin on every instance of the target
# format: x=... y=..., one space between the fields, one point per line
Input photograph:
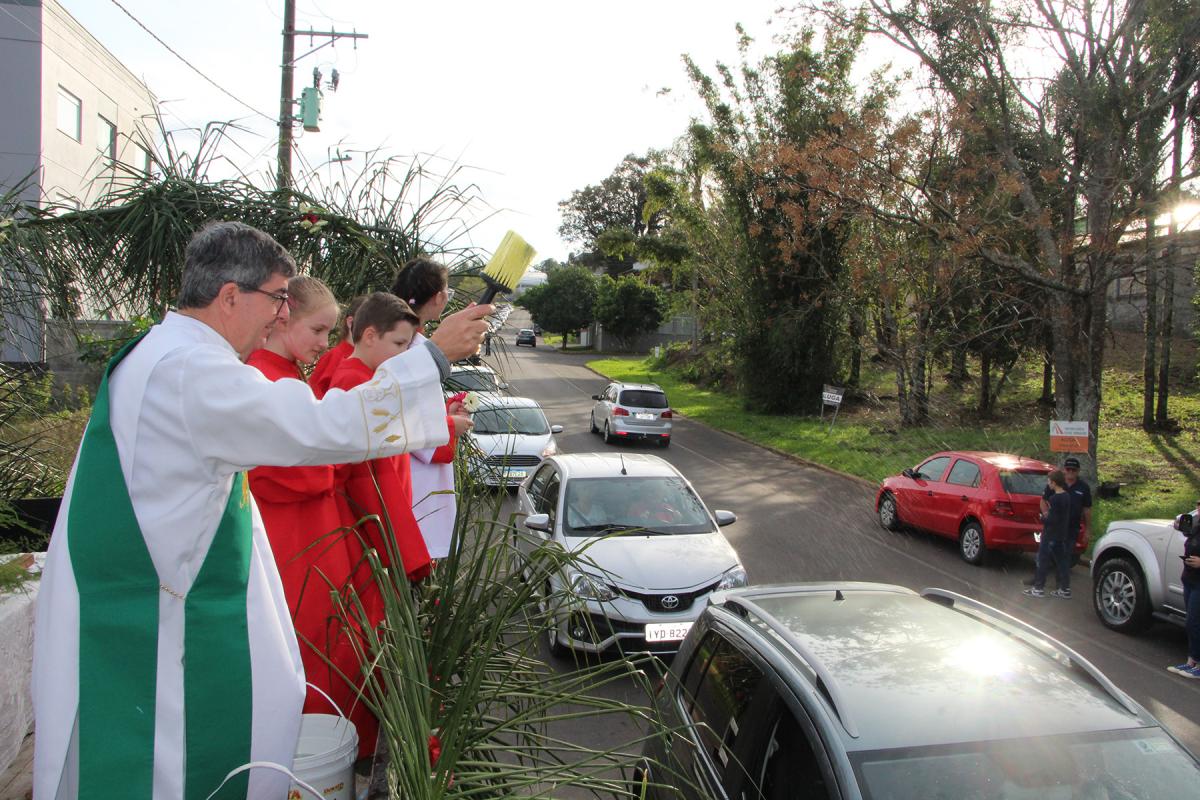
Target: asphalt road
x=801 y=523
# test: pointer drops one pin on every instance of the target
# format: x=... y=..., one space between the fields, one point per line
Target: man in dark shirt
x=1058 y=537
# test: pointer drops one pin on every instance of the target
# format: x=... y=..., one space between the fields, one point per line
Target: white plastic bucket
x=325 y=757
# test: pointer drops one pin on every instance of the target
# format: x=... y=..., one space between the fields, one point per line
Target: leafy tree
x=790 y=237
x=606 y=217
x=628 y=308
x=564 y=303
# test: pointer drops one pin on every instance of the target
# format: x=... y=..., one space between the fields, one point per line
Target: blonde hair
x=307 y=294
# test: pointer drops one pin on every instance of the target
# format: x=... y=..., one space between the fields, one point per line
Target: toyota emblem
x=670 y=601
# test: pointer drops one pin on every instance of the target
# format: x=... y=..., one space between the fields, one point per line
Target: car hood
x=658 y=562
x=1159 y=532
x=512 y=444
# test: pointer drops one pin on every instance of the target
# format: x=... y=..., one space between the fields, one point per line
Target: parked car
x=473 y=378
x=632 y=411
x=652 y=552
x=1135 y=574
x=526 y=336
x=514 y=437
x=858 y=690
x=986 y=501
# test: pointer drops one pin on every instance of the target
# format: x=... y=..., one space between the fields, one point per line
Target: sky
x=536 y=99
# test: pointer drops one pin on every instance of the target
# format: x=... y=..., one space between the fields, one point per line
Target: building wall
x=1127 y=294
x=20 y=94
x=75 y=61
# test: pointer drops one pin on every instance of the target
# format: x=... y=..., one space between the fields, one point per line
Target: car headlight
x=733 y=578
x=586 y=587
x=550 y=449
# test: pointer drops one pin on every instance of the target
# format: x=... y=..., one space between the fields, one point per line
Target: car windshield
x=640 y=398
x=524 y=421
x=1142 y=763
x=1023 y=482
x=665 y=505
x=472 y=381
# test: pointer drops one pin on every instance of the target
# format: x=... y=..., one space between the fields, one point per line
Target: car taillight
x=1003 y=508
x=620 y=412
x=666 y=414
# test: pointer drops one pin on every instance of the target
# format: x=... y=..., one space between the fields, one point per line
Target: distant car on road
x=860 y=691
x=514 y=437
x=632 y=411
x=986 y=501
x=650 y=550
x=526 y=336
x=1135 y=574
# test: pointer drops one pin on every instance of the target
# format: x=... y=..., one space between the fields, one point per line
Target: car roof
x=493 y=400
x=1000 y=460
x=471 y=368
x=904 y=670
x=605 y=465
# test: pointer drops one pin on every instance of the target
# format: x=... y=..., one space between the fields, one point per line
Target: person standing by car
x=1057 y=540
x=1186 y=523
x=1081 y=505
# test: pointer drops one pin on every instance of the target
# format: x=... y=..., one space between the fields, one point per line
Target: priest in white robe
x=164 y=653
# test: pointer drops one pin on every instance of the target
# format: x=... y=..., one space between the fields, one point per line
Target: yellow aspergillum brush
x=507 y=265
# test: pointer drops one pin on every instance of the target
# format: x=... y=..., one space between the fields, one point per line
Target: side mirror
x=556 y=428
x=595 y=397
x=538 y=522
x=724 y=518
x=909 y=473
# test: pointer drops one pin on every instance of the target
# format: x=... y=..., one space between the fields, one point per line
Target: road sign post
x=831 y=396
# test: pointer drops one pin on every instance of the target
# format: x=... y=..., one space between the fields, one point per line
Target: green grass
x=1160 y=472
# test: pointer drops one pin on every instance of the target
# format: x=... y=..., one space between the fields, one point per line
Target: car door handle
x=963 y=498
x=930 y=493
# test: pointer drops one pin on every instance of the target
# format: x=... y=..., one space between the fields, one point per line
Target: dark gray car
x=858 y=690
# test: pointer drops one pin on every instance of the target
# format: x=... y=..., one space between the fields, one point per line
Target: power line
x=192 y=66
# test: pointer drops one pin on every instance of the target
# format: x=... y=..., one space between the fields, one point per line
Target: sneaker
x=1062 y=594
x=1033 y=591
x=1191 y=672
x=1180 y=669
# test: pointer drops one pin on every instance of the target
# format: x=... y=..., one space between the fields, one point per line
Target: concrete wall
x=1127 y=294
x=20 y=94
x=62 y=352
x=676 y=329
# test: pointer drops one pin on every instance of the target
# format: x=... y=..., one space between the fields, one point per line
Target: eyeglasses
x=279 y=297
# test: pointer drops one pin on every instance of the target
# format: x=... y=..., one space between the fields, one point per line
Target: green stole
x=119 y=595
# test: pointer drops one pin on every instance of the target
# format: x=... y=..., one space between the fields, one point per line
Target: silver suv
x=632 y=411
x=1135 y=574
x=859 y=690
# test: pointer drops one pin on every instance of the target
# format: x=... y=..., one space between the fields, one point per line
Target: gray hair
x=229 y=252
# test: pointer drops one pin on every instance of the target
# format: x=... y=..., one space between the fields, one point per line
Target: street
x=801 y=523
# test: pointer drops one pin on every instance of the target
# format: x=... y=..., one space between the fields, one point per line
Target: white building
x=72 y=120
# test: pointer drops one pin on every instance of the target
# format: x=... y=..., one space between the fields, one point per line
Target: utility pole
x=284 y=177
x=284 y=180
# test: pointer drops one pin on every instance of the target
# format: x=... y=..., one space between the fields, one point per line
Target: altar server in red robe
x=302 y=508
x=423 y=284
x=322 y=373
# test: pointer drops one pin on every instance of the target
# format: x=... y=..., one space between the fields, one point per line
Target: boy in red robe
x=302 y=509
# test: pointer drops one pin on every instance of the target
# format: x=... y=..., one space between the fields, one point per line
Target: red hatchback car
x=987 y=501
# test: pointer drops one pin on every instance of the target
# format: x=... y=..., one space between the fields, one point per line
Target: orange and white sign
x=1068 y=437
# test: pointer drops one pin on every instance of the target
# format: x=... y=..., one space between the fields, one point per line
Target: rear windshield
x=640 y=398
x=1023 y=482
x=471 y=381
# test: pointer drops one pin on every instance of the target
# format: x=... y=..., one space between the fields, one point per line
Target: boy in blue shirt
x=1057 y=540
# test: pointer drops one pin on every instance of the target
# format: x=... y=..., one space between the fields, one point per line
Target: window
x=786 y=766
x=106 y=139
x=964 y=473
x=1032 y=483
x=640 y=398
x=723 y=696
x=548 y=504
x=142 y=159
x=538 y=484
x=70 y=114
x=933 y=469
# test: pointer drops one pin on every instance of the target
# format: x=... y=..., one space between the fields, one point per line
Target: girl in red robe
x=302 y=509
x=322 y=373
